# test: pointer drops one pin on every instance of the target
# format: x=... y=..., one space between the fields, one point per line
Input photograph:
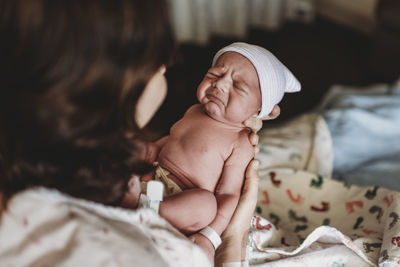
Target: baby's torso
x=197 y=149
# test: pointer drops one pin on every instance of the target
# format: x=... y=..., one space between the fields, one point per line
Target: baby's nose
x=222 y=85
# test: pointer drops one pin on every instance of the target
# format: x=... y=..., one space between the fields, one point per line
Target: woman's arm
x=234 y=238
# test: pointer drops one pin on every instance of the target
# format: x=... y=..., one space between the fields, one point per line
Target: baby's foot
x=131 y=198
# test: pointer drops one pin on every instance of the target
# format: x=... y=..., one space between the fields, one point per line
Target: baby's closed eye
x=239 y=88
x=211 y=74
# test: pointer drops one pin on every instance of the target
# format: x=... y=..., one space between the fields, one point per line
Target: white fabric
x=43 y=227
x=274 y=78
x=236 y=264
x=365 y=127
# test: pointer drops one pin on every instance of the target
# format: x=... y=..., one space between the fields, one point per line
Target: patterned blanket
x=305 y=218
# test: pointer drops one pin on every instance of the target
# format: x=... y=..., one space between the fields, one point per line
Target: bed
x=329 y=183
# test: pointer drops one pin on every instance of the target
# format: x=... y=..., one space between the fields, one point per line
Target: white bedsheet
x=365 y=127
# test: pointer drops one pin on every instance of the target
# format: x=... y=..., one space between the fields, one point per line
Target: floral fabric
x=42 y=227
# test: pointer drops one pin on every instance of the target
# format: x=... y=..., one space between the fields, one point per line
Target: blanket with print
x=305 y=218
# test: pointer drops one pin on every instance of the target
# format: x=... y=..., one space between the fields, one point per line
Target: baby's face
x=230 y=91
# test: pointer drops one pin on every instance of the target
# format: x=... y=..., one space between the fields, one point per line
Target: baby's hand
x=205 y=244
x=152 y=151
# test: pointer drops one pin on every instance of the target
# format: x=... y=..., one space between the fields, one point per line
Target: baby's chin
x=212 y=109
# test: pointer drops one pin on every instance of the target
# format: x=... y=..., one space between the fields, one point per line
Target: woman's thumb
x=251 y=181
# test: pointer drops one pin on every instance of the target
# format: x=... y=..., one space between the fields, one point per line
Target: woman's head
x=71 y=72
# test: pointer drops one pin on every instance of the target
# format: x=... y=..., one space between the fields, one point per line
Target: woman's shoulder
x=45 y=222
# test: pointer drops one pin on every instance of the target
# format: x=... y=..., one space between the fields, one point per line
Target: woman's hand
x=240 y=222
x=255 y=125
x=234 y=238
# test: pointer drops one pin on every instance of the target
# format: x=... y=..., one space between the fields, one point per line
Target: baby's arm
x=162 y=141
x=227 y=192
x=153 y=149
x=230 y=184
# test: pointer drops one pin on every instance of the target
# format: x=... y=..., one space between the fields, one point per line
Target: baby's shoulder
x=196 y=108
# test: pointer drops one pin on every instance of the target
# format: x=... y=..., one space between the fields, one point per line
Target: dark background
x=319 y=54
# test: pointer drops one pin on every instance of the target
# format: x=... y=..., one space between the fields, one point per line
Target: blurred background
x=323 y=42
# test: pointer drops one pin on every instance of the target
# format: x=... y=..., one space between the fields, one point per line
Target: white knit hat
x=275 y=79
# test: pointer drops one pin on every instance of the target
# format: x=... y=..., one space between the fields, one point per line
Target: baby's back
x=197 y=149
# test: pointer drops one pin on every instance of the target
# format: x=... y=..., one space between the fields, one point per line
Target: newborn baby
x=202 y=162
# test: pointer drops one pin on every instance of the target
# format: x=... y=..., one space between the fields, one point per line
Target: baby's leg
x=189 y=211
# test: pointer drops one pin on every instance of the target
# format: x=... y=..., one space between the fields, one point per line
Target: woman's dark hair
x=71 y=72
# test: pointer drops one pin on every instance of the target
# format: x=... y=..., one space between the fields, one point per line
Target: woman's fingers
x=250 y=187
x=253 y=138
x=253 y=123
x=248 y=198
x=274 y=113
x=240 y=222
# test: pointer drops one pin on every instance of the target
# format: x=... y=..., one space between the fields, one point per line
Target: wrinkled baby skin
x=202 y=141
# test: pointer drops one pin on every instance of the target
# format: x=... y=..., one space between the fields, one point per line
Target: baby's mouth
x=215 y=99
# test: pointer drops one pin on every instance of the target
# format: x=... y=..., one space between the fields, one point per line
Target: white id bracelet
x=214 y=238
x=236 y=264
